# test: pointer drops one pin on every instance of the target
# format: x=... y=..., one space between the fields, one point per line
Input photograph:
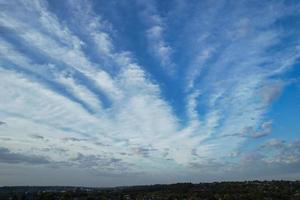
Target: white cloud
x=72 y=56
x=227 y=90
x=158 y=46
x=138 y=111
x=271 y=91
x=274 y=142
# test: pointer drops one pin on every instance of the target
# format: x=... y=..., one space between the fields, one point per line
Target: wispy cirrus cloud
x=155 y=32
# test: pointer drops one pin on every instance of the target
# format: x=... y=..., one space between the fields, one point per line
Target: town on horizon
x=97 y=93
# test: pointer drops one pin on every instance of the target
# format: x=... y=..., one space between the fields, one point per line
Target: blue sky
x=105 y=93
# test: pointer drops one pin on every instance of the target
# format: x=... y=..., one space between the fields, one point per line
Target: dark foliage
x=249 y=190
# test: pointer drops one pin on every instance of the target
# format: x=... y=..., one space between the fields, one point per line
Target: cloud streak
x=9 y=157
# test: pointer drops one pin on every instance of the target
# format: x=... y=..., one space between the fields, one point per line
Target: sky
x=109 y=93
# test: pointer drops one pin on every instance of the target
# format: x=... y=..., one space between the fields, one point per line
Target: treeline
x=249 y=190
